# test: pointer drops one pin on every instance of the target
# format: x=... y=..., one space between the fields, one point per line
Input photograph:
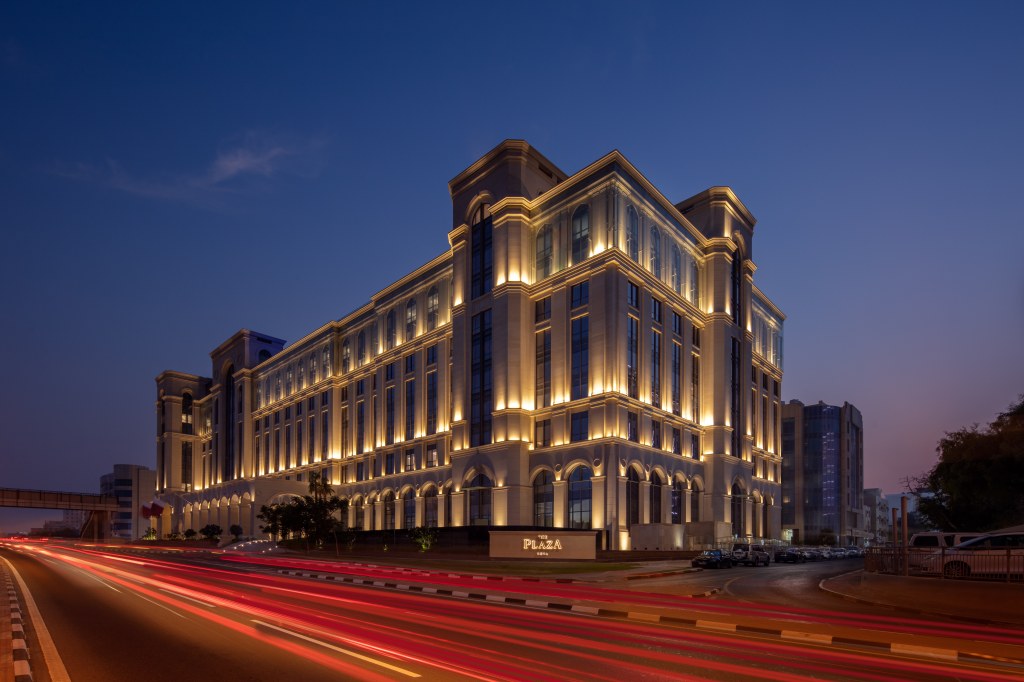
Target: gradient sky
x=173 y=172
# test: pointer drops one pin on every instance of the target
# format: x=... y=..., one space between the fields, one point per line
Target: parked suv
x=997 y=555
x=751 y=555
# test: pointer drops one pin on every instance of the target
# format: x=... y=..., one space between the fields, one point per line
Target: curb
x=19 y=646
x=663 y=574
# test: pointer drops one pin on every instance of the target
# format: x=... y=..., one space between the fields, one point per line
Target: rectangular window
x=543 y=368
x=480 y=399
x=482 y=256
x=389 y=371
x=580 y=357
x=677 y=324
x=288 y=446
x=677 y=442
x=432 y=355
x=580 y=294
x=431 y=455
x=325 y=398
x=389 y=464
x=324 y=441
x=360 y=387
x=410 y=460
x=736 y=398
x=299 y=449
x=542 y=433
x=360 y=472
x=677 y=371
x=695 y=388
x=694 y=446
x=344 y=432
x=389 y=415
x=580 y=430
x=656 y=368
x=632 y=427
x=656 y=310
x=410 y=409
x=633 y=295
x=632 y=351
x=360 y=427
x=298 y=409
x=431 y=403
x=695 y=336
x=410 y=363
x=542 y=310
x=655 y=434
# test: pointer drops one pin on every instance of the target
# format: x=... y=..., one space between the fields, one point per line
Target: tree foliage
x=978 y=482
x=211 y=531
x=313 y=516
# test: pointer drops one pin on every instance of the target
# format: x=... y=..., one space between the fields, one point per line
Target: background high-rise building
x=587 y=354
x=133 y=486
x=823 y=473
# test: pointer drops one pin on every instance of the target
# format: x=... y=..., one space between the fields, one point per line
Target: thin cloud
x=237 y=168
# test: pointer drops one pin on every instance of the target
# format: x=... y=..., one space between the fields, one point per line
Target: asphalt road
x=116 y=615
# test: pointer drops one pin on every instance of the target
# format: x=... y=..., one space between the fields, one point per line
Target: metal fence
x=1002 y=565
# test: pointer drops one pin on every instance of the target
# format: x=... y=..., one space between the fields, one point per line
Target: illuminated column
x=759 y=530
x=442 y=521
x=687 y=501
x=499 y=506
x=666 y=504
x=747 y=514
x=378 y=514
x=420 y=504
x=645 y=502
x=457 y=508
x=560 y=490
x=598 y=510
x=367 y=512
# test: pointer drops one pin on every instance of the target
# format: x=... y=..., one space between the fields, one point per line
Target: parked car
x=923 y=545
x=712 y=558
x=750 y=555
x=855 y=552
x=999 y=555
x=812 y=554
x=789 y=555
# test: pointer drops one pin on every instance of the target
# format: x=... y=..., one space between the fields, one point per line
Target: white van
x=939 y=539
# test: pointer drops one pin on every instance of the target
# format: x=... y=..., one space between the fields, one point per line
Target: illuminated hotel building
x=586 y=354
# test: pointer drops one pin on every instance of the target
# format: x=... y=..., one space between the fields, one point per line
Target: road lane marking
x=54 y=664
x=156 y=603
x=716 y=625
x=799 y=636
x=328 y=645
x=182 y=596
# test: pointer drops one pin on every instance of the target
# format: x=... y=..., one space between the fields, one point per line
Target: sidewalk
x=988 y=602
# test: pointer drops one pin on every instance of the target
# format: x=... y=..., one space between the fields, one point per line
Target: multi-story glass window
x=580 y=494
x=360 y=427
x=632 y=427
x=677 y=442
x=360 y=349
x=656 y=434
x=432 y=305
x=389 y=463
x=694 y=446
x=389 y=415
x=632 y=359
x=186 y=462
x=388 y=517
x=431 y=403
x=324 y=440
x=431 y=355
x=735 y=399
x=677 y=270
x=580 y=357
x=542 y=433
x=543 y=397
x=480 y=399
x=654 y=253
x=312 y=430
x=677 y=371
x=632 y=497
x=409 y=510
x=677 y=324
x=580 y=234
x=656 y=368
x=543 y=500
x=299 y=444
x=677 y=501
x=410 y=320
x=346 y=357
x=431 y=455
x=580 y=423
x=288 y=446
x=410 y=460
x=656 y=310
x=344 y=432
x=186 y=414
x=389 y=371
x=655 y=503
x=410 y=363
x=481 y=253
x=390 y=330
x=633 y=234
x=580 y=294
x=735 y=291
x=542 y=310
x=410 y=409
x=633 y=295
x=694 y=291
x=695 y=387
x=544 y=253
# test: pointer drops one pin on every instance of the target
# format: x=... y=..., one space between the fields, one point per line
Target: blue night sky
x=173 y=172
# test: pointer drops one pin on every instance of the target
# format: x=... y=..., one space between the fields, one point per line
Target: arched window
x=326 y=356
x=677 y=270
x=409 y=510
x=694 y=284
x=677 y=501
x=410 y=320
x=263 y=355
x=632 y=497
x=430 y=507
x=432 y=304
x=736 y=289
x=633 y=234
x=738 y=525
x=346 y=357
x=654 y=253
x=357 y=516
x=695 y=502
x=448 y=506
x=391 y=333
x=388 y=516
x=580 y=495
x=580 y=234
x=656 y=485
x=478 y=500
x=361 y=348
x=544 y=253
x=543 y=500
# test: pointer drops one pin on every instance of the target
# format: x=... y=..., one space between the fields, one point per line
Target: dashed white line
x=328 y=645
